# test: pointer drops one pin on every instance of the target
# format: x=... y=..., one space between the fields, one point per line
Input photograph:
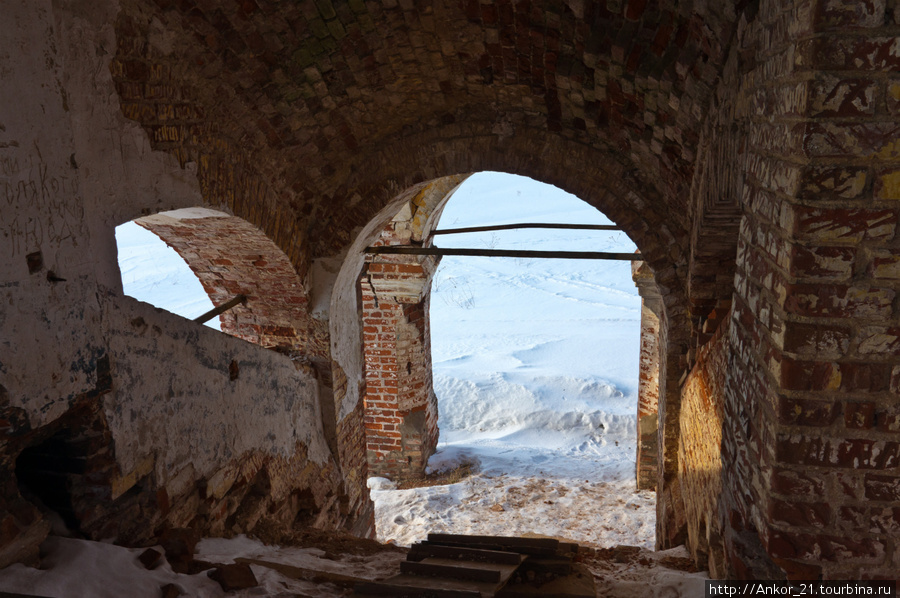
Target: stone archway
x=771 y=123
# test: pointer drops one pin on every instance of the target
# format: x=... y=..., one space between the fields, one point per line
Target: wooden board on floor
x=423 y=550
x=578 y=584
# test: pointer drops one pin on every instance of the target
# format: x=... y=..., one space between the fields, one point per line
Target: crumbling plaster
x=72 y=167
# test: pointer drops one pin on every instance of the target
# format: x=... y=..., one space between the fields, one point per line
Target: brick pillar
x=648 y=384
x=400 y=404
x=811 y=450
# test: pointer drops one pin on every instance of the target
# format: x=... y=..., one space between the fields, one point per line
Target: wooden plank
x=523 y=253
x=524 y=550
x=512 y=542
x=454 y=570
x=400 y=590
x=421 y=551
x=479 y=229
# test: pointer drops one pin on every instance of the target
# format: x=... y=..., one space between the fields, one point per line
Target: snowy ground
x=81 y=569
x=536 y=366
x=536 y=372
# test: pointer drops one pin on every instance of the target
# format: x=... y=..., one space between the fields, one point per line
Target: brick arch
x=630 y=80
x=230 y=257
x=294 y=114
x=399 y=445
x=596 y=177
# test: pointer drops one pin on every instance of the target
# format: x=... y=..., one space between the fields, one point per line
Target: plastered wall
x=192 y=418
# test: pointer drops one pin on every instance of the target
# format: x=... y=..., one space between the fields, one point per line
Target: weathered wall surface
x=176 y=424
x=702 y=412
x=179 y=412
x=647 y=457
x=808 y=452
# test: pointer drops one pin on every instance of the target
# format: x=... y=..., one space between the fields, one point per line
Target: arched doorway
x=502 y=394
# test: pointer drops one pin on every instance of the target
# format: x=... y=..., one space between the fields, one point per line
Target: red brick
x=843 y=15
x=853 y=453
x=885 y=521
x=868 y=53
x=839 y=301
x=887 y=420
x=882 y=487
x=796 y=483
x=880 y=341
x=783 y=544
x=886 y=266
x=831 y=182
x=803 y=412
x=797 y=513
x=865 y=377
x=835 y=263
x=809 y=375
x=825 y=341
x=859 y=415
x=827 y=225
x=835 y=97
x=853 y=519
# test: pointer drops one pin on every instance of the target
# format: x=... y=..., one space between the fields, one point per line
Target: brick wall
x=400 y=404
x=753 y=139
x=809 y=448
x=230 y=256
x=647 y=458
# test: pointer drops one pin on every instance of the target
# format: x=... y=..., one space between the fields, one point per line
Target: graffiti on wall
x=40 y=206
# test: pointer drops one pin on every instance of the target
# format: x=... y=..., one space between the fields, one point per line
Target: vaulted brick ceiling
x=317 y=112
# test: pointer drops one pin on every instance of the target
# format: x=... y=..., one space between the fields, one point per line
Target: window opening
x=154 y=273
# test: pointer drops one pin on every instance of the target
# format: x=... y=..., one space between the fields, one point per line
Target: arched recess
x=309 y=137
x=232 y=257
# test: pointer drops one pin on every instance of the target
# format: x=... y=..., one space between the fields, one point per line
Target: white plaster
x=120 y=175
x=321 y=281
x=72 y=167
x=49 y=338
x=346 y=344
x=174 y=398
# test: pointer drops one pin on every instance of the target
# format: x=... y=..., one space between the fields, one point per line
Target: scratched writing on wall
x=39 y=206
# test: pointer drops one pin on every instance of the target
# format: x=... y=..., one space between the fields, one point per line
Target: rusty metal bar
x=441 y=251
x=221 y=309
x=478 y=229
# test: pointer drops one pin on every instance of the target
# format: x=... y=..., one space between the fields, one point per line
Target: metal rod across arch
x=478 y=229
x=221 y=309
x=440 y=251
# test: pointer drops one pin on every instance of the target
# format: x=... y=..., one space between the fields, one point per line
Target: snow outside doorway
x=536 y=370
